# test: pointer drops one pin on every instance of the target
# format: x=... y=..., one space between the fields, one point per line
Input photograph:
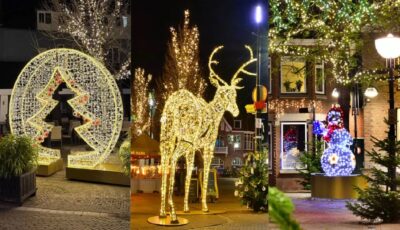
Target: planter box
x=18 y=189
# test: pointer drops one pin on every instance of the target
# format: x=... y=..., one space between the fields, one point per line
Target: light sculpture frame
x=97 y=101
x=190 y=124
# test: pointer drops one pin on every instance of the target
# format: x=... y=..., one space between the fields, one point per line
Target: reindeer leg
x=207 y=162
x=164 y=170
x=174 y=219
x=189 y=170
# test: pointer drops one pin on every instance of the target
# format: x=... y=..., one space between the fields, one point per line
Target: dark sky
x=221 y=22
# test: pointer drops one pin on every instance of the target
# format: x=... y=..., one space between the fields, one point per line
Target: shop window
x=319 y=77
x=293 y=144
x=293 y=75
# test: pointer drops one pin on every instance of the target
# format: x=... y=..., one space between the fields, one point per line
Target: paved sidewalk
x=237 y=216
x=324 y=214
x=63 y=204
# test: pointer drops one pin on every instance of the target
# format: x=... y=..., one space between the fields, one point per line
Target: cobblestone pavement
x=236 y=216
x=324 y=214
x=63 y=204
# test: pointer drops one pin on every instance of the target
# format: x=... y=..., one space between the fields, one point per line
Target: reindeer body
x=188 y=124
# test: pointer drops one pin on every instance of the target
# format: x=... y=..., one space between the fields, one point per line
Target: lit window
x=293 y=75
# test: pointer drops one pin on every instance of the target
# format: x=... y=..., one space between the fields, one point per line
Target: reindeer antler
x=214 y=78
x=236 y=80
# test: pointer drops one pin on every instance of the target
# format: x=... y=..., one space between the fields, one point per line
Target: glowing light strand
x=98 y=102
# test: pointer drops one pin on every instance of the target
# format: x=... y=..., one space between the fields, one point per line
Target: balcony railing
x=221 y=150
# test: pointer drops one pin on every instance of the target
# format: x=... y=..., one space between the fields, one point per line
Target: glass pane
x=293 y=143
x=293 y=75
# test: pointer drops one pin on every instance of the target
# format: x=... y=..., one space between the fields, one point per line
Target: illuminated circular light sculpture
x=97 y=101
x=188 y=124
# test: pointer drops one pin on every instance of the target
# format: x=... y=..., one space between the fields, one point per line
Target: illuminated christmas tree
x=337 y=159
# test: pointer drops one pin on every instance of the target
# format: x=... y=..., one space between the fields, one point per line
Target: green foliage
x=252 y=187
x=378 y=203
x=125 y=155
x=18 y=155
x=311 y=162
x=280 y=210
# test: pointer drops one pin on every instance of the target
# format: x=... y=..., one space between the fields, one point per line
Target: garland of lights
x=337 y=159
x=189 y=123
x=97 y=101
x=279 y=106
x=335 y=27
x=181 y=69
x=140 y=104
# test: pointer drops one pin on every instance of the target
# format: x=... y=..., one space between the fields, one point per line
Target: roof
x=145 y=145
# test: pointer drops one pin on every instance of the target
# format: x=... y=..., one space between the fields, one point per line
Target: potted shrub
x=18 y=160
x=299 y=84
x=287 y=85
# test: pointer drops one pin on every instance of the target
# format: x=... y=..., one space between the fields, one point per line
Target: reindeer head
x=226 y=93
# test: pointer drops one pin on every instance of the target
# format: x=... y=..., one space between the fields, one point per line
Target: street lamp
x=258 y=18
x=389 y=48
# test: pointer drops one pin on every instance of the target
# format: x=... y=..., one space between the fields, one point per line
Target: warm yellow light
x=97 y=101
x=189 y=124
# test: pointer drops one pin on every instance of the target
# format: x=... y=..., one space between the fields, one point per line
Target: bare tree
x=182 y=67
x=97 y=27
x=140 y=106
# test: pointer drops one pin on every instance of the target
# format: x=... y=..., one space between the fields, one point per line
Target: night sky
x=221 y=22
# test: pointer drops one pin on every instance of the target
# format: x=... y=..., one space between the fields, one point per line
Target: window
x=124 y=21
x=216 y=161
x=113 y=55
x=237 y=161
x=319 y=77
x=293 y=143
x=293 y=75
x=237 y=142
x=248 y=141
x=48 y=18
x=118 y=21
x=41 y=17
x=237 y=124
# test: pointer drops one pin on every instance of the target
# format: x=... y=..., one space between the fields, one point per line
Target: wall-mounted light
x=371 y=92
x=335 y=93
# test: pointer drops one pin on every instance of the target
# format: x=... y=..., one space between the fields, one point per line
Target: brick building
x=300 y=91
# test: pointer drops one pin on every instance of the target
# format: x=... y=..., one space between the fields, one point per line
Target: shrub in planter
x=124 y=153
x=18 y=160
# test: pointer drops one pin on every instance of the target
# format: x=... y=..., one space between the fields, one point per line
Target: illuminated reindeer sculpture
x=188 y=124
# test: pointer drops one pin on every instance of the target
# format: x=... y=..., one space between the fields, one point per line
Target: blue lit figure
x=338 y=159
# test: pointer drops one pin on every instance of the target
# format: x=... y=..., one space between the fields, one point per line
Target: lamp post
x=258 y=17
x=389 y=48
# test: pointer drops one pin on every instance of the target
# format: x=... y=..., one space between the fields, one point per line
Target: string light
x=96 y=27
x=337 y=159
x=140 y=106
x=98 y=102
x=181 y=69
x=188 y=124
x=279 y=106
x=335 y=27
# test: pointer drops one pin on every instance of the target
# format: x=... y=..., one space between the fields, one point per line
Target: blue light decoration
x=337 y=159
